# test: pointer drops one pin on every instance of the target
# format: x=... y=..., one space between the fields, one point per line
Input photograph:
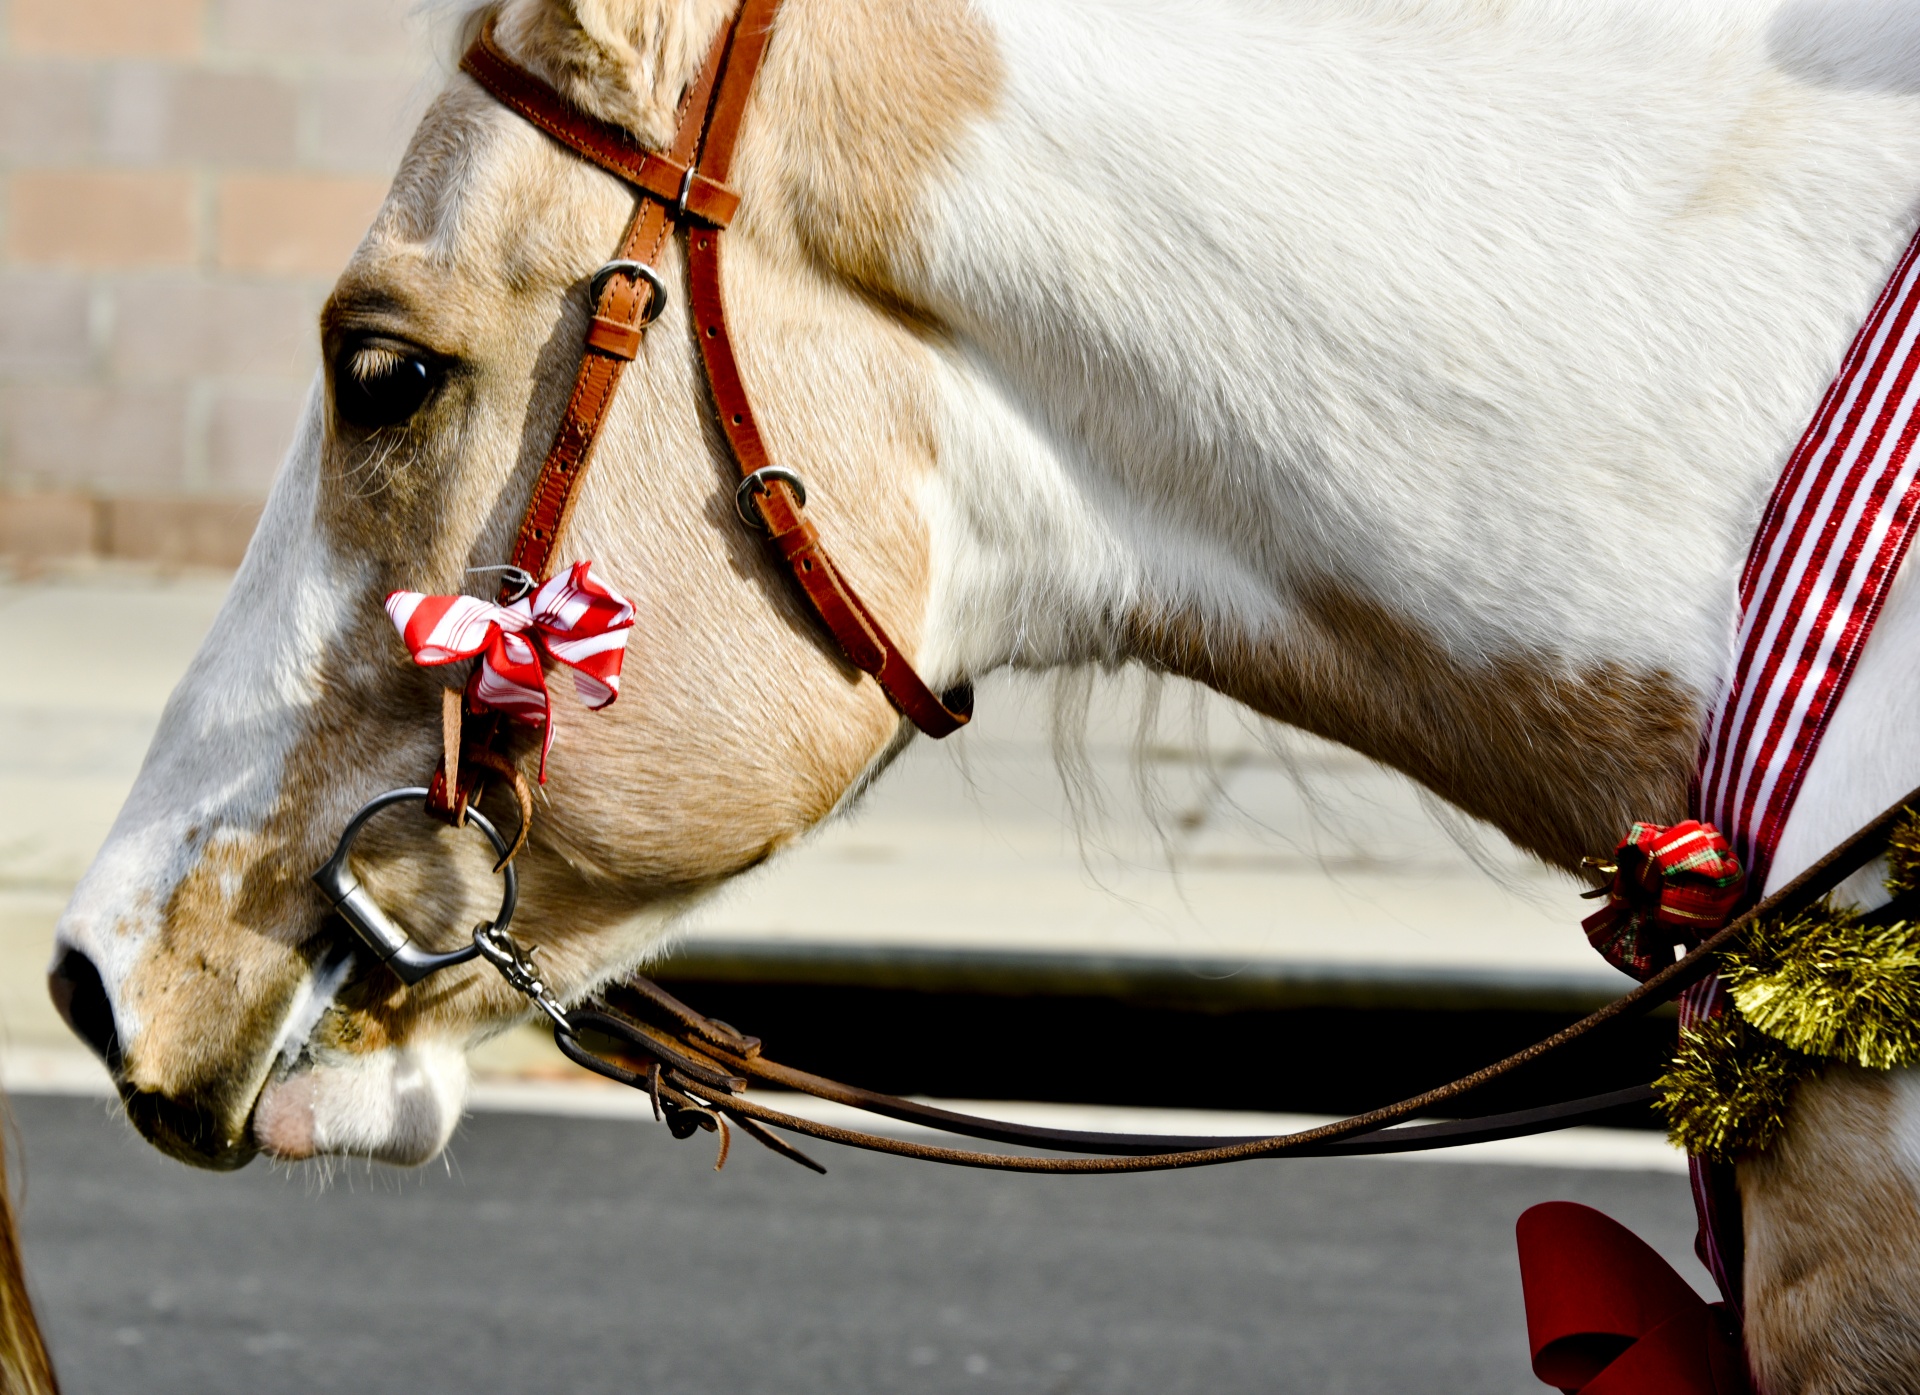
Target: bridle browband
x=687 y=188
x=695 y=1069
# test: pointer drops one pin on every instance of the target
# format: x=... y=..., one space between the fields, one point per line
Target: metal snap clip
x=636 y=272
x=756 y=483
x=391 y=944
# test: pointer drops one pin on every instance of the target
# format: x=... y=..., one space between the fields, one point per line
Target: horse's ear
x=625 y=60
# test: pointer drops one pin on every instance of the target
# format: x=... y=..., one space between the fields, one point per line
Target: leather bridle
x=687 y=188
x=696 y=1070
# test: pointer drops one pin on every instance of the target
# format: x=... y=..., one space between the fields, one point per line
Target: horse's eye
x=378 y=384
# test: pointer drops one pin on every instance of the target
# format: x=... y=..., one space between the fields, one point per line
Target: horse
x=1412 y=372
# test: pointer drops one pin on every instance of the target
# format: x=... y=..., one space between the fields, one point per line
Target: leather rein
x=699 y=1065
x=696 y=1070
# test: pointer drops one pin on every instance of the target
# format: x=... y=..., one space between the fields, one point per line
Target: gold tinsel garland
x=1813 y=988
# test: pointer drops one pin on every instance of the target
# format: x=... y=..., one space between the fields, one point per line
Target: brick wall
x=180 y=182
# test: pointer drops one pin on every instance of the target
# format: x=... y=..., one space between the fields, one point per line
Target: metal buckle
x=391 y=944
x=635 y=272
x=756 y=483
x=686 y=188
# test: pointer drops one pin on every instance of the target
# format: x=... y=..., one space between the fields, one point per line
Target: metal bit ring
x=390 y=943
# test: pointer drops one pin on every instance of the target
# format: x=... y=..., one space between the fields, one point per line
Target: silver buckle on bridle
x=756 y=483
x=640 y=274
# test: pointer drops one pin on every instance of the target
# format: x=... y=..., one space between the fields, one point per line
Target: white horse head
x=1412 y=372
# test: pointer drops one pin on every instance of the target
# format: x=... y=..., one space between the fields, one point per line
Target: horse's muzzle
x=185 y=1130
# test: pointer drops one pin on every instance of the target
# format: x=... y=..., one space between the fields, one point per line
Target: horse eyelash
x=373 y=361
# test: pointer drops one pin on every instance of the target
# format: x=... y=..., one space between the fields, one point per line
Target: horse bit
x=695 y=1069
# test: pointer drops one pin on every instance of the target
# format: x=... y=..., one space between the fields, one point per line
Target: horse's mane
x=1184 y=747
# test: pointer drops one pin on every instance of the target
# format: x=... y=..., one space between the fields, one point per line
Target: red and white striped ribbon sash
x=1817 y=575
x=574 y=619
x=1834 y=535
x=1831 y=541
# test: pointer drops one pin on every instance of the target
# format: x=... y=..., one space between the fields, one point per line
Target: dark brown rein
x=694 y=1066
x=697 y=1069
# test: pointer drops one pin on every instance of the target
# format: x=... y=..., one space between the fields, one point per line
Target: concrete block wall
x=180 y=182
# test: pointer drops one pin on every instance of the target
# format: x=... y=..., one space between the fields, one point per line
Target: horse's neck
x=1417 y=376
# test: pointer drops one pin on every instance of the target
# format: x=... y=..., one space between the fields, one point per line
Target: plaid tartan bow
x=1667 y=887
x=573 y=619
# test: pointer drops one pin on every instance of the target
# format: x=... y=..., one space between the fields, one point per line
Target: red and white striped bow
x=574 y=619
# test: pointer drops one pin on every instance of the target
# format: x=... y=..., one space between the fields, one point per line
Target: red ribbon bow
x=1669 y=886
x=1608 y=1316
x=573 y=619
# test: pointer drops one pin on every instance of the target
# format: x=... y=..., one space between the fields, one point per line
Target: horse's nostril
x=81 y=999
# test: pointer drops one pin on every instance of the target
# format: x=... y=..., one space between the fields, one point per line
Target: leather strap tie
x=671 y=179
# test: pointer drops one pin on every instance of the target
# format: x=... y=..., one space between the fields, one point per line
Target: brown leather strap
x=861 y=637
x=624 y=305
x=607 y=145
x=694 y=1064
x=704 y=141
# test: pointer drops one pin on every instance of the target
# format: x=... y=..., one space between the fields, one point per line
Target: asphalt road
x=566 y=1254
